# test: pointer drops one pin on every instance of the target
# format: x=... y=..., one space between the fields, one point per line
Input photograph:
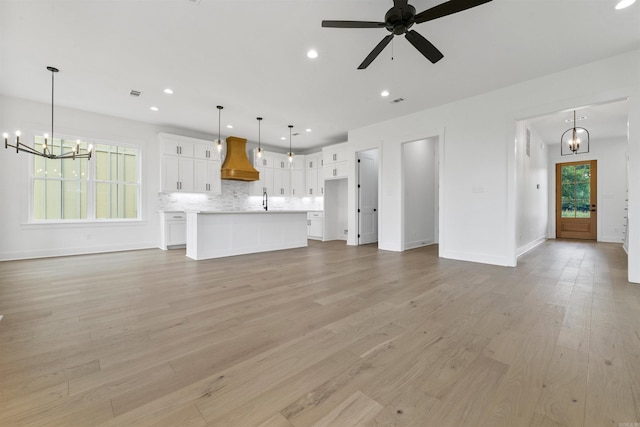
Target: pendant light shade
x=574 y=140
x=259 y=147
x=290 y=154
x=219 y=140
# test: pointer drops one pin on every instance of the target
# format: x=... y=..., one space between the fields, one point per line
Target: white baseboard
x=529 y=246
x=50 y=253
x=418 y=244
x=477 y=257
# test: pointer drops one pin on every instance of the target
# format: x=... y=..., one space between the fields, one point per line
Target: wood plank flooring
x=327 y=335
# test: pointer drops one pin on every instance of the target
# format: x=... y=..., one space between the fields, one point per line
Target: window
x=105 y=187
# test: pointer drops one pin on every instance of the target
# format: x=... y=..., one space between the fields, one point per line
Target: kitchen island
x=216 y=234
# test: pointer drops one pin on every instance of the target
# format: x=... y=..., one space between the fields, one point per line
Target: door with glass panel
x=576 y=213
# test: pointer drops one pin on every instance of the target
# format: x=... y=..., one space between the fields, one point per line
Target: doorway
x=420 y=177
x=367 y=196
x=576 y=210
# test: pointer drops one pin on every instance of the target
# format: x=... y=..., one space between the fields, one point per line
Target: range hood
x=236 y=164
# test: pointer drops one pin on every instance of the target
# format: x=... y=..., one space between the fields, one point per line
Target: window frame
x=91 y=195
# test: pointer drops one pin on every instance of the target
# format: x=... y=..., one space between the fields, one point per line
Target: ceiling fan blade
x=447 y=8
x=424 y=46
x=401 y=4
x=375 y=52
x=352 y=24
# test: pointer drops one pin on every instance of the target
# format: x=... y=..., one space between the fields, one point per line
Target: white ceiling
x=603 y=121
x=250 y=57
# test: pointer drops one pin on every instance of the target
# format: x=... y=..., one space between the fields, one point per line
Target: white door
x=367 y=197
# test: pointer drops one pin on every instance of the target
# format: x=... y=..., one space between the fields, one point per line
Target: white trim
x=530 y=246
x=14 y=256
x=482 y=258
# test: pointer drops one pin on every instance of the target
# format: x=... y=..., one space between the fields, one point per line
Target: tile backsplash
x=235 y=197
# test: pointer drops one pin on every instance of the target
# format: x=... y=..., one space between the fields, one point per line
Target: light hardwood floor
x=327 y=335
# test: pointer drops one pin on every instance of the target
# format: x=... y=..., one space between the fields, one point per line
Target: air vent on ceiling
x=397 y=100
x=135 y=93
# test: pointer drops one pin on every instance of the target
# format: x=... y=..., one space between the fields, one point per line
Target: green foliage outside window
x=105 y=187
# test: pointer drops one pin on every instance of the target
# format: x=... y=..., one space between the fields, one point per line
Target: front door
x=576 y=213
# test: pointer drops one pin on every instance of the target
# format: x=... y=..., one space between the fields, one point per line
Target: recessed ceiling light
x=229 y=126
x=622 y=4
x=168 y=91
x=283 y=138
x=312 y=53
x=154 y=108
x=308 y=130
x=577 y=119
x=384 y=93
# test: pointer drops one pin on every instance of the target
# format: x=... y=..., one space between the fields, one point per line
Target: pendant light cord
x=52 y=85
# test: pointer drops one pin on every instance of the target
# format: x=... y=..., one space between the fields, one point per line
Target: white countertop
x=245 y=212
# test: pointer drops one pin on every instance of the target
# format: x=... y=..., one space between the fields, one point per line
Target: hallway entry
x=576 y=195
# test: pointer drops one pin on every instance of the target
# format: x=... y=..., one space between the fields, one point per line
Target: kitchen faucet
x=265 y=201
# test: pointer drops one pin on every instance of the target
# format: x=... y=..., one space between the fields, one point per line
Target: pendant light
x=46 y=151
x=290 y=154
x=259 y=147
x=219 y=140
x=571 y=144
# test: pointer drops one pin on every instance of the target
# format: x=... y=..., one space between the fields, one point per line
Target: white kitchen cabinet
x=335 y=170
x=176 y=146
x=206 y=151
x=314 y=178
x=265 y=183
x=264 y=161
x=335 y=162
x=315 y=225
x=313 y=161
x=281 y=182
x=298 y=162
x=334 y=153
x=297 y=183
x=174 y=230
x=207 y=177
x=189 y=165
x=177 y=174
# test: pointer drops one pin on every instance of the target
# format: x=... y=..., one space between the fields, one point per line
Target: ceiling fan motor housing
x=398 y=20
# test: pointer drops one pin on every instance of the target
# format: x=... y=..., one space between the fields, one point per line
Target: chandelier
x=46 y=150
x=569 y=141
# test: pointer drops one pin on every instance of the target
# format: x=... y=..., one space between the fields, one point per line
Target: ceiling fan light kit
x=400 y=18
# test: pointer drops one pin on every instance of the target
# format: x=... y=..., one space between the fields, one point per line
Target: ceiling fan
x=400 y=18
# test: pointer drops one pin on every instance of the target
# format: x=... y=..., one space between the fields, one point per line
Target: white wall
x=478 y=167
x=611 y=186
x=420 y=174
x=19 y=238
x=531 y=189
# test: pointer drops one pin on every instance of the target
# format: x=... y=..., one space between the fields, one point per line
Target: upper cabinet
x=175 y=145
x=189 y=165
x=206 y=151
x=335 y=162
x=278 y=176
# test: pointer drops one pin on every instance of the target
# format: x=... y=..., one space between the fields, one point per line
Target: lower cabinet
x=315 y=225
x=174 y=230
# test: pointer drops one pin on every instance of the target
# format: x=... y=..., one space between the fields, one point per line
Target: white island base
x=222 y=234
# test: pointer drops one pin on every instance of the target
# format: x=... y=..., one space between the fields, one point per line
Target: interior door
x=367 y=198
x=576 y=210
